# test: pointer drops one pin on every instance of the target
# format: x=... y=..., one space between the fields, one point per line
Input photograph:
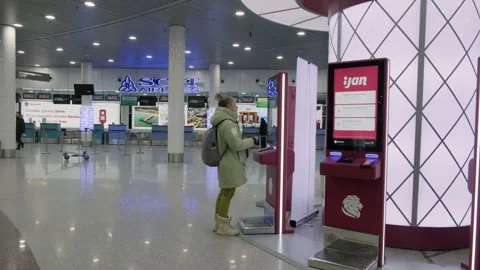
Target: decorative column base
x=175 y=157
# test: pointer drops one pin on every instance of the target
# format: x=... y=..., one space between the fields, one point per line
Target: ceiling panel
x=211 y=28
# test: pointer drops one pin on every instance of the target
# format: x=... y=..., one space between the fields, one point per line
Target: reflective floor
x=134 y=212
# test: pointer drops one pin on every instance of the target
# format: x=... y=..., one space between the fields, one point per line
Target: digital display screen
x=272 y=93
x=355 y=110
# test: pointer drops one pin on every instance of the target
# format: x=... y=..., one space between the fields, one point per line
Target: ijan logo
x=354 y=81
x=128 y=85
x=352 y=206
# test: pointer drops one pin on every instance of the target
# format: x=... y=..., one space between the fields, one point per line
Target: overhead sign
x=98 y=97
x=163 y=99
x=112 y=98
x=77 y=100
x=28 y=96
x=34 y=76
x=61 y=99
x=246 y=99
x=197 y=102
x=262 y=102
x=154 y=85
x=44 y=96
x=129 y=101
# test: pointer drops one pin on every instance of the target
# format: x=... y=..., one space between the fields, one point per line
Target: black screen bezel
x=84 y=89
x=352 y=144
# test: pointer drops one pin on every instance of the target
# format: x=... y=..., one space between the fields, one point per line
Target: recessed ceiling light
x=111 y=60
x=236 y=45
x=188 y=52
x=279 y=57
x=132 y=37
x=149 y=56
x=37 y=65
x=72 y=63
x=96 y=44
x=50 y=17
x=190 y=66
x=230 y=63
x=89 y=4
x=239 y=13
x=244 y=93
x=17 y=25
x=21 y=52
x=248 y=49
x=59 y=49
x=301 y=33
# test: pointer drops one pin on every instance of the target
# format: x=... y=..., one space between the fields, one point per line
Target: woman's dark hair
x=223 y=101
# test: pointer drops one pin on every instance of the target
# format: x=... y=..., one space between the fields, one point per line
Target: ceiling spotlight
x=59 y=49
x=248 y=49
x=50 y=17
x=72 y=63
x=21 y=52
x=236 y=45
x=89 y=4
x=230 y=63
x=188 y=52
x=132 y=37
x=96 y=44
x=111 y=60
x=149 y=56
x=279 y=57
x=37 y=65
x=239 y=13
x=190 y=66
x=301 y=33
x=17 y=25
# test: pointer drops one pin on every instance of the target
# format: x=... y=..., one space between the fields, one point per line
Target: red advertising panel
x=355 y=101
x=103 y=116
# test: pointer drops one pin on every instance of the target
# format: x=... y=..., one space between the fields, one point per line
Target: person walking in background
x=20 y=130
x=231 y=170
x=263 y=133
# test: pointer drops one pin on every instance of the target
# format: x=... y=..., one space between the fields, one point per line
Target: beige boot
x=224 y=227
x=215 y=229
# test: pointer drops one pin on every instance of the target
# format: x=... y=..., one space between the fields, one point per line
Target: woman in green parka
x=231 y=171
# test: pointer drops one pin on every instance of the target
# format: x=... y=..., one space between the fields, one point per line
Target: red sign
x=102 y=116
x=355 y=103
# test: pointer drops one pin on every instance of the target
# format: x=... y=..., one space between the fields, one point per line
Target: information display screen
x=272 y=92
x=355 y=105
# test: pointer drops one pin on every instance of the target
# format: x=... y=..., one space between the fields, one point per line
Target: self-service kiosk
x=355 y=166
x=474 y=188
x=279 y=159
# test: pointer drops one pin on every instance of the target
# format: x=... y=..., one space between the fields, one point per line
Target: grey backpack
x=210 y=154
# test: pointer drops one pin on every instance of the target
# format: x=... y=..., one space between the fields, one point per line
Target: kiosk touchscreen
x=278 y=158
x=354 y=167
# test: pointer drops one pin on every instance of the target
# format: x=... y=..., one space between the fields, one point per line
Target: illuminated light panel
x=18 y=25
x=190 y=66
x=248 y=48
x=21 y=52
x=89 y=4
x=111 y=60
x=50 y=17
x=132 y=37
x=188 y=52
x=37 y=65
x=230 y=63
x=476 y=182
x=282 y=153
x=149 y=56
x=72 y=63
x=59 y=49
x=236 y=45
x=301 y=33
x=240 y=13
x=279 y=57
x=96 y=44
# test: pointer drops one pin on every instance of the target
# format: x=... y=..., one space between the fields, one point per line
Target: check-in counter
x=117 y=134
x=49 y=133
x=29 y=133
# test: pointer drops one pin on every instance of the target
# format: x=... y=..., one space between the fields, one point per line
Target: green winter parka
x=231 y=171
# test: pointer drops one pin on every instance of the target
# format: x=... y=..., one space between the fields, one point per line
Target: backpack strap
x=216 y=128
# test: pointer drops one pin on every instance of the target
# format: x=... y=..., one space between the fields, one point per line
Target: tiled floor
x=138 y=212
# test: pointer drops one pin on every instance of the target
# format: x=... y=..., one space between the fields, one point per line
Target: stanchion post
x=105 y=148
x=140 y=145
x=61 y=143
x=46 y=142
x=94 y=142
x=34 y=143
x=126 y=142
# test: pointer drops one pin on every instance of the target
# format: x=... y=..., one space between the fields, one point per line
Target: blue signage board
x=154 y=85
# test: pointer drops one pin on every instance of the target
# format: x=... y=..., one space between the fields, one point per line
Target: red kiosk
x=355 y=166
x=474 y=188
x=279 y=158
